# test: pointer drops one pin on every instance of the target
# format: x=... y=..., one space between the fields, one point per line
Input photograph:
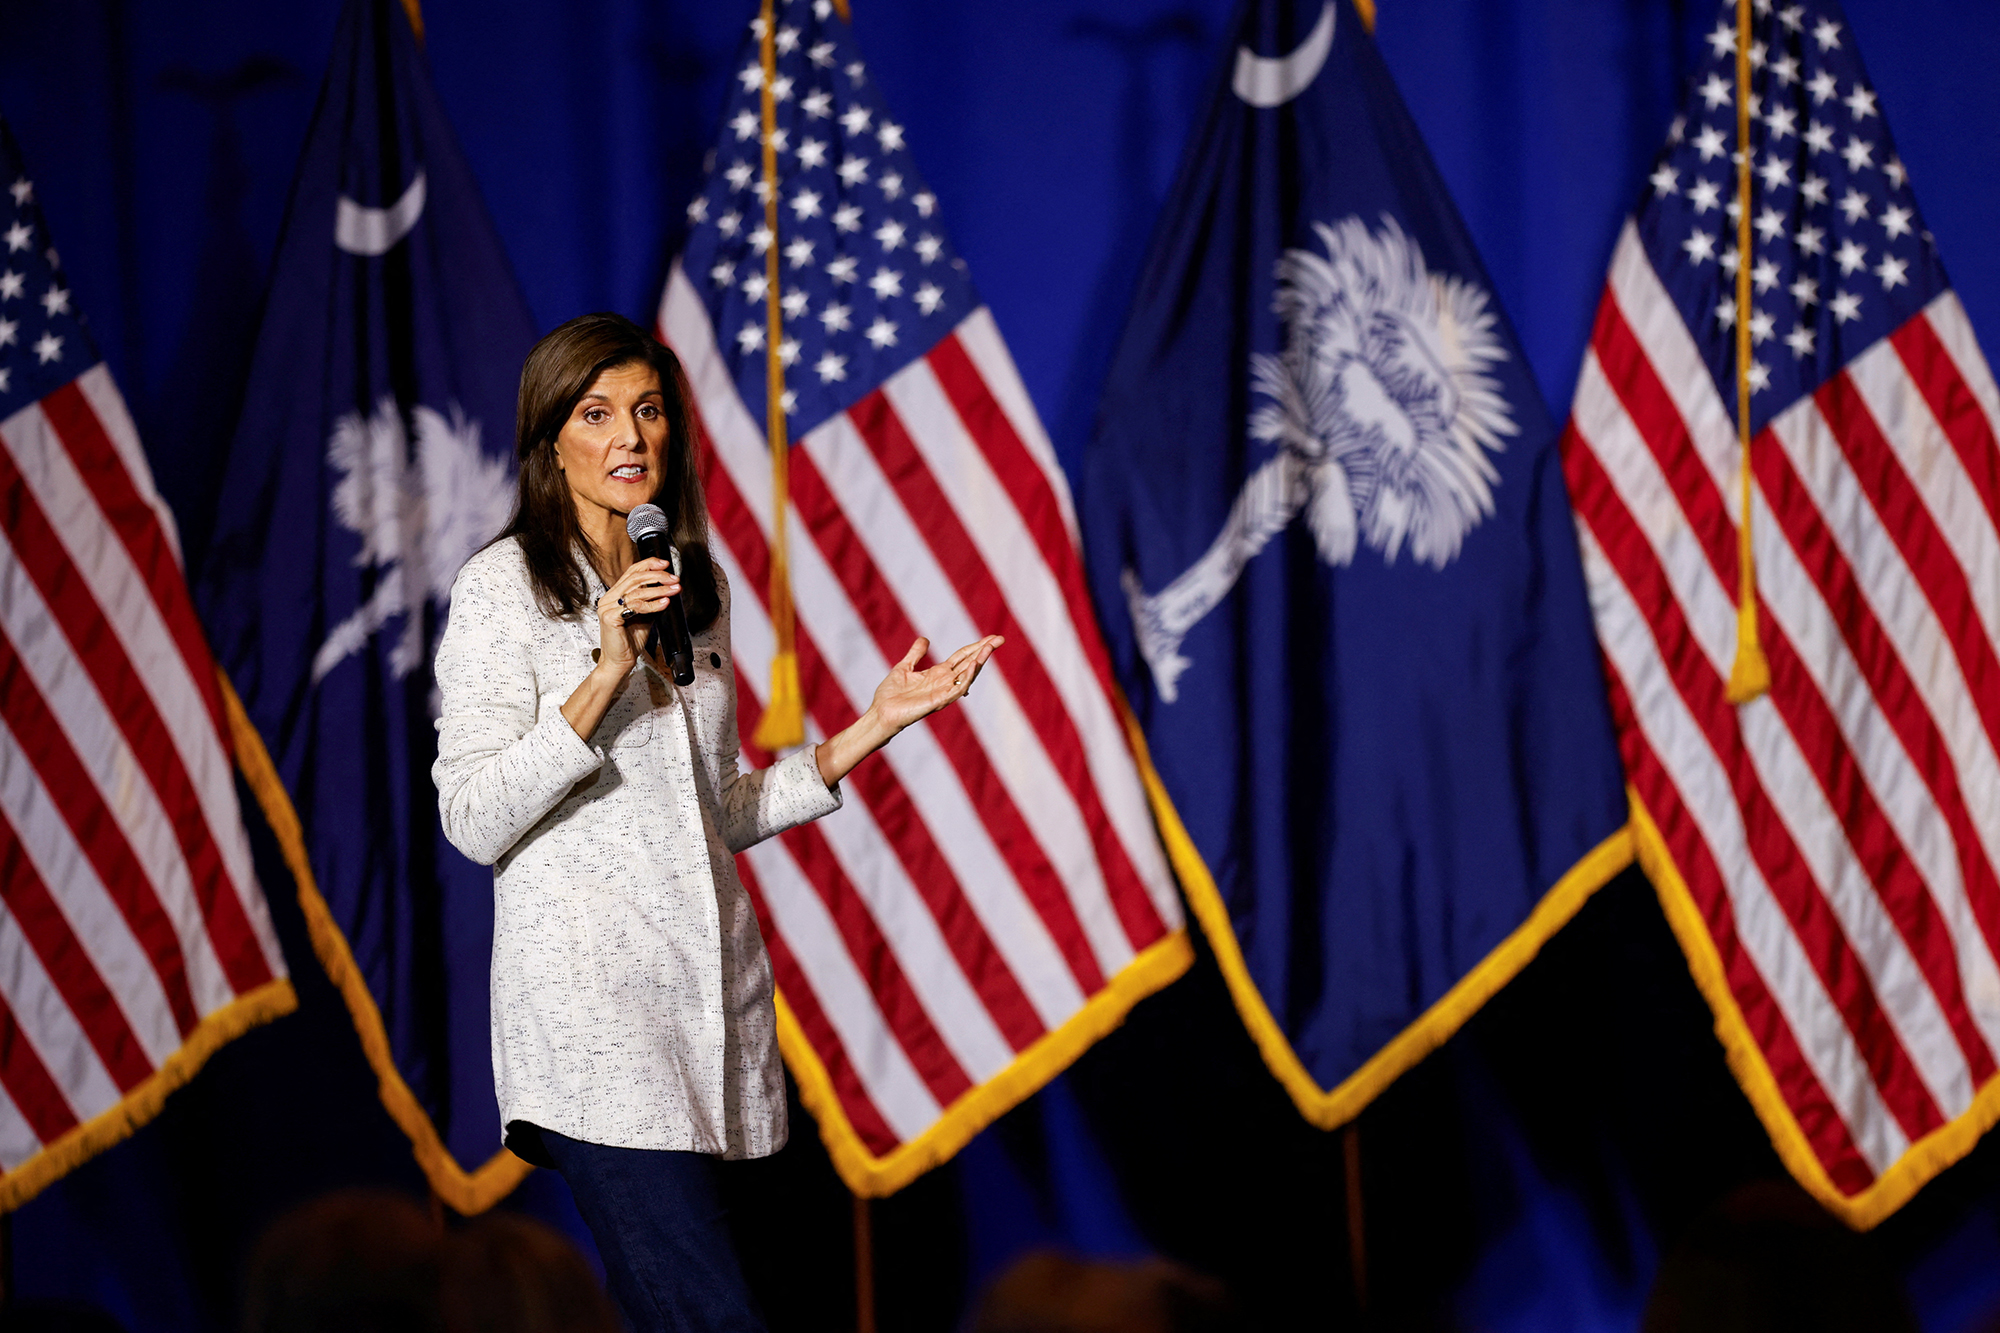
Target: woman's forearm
x=906 y=696
x=838 y=754
x=590 y=701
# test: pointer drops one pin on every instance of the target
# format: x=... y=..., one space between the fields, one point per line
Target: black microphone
x=647 y=527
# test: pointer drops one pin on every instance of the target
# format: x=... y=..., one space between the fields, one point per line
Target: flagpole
x=414 y=11
x=1357 y=1235
x=864 y=1266
x=864 y=1217
x=1750 y=674
x=783 y=724
x=1350 y=1135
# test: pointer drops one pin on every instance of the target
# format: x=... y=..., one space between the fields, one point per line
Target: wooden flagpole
x=414 y=11
x=1350 y=1134
x=783 y=724
x=1750 y=674
x=863 y=1205
x=1357 y=1234
x=864 y=1266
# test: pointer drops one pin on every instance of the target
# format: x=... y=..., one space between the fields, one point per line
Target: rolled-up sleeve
x=766 y=801
x=498 y=769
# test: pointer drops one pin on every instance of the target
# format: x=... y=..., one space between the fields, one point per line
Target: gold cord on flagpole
x=1750 y=674
x=783 y=724
x=416 y=13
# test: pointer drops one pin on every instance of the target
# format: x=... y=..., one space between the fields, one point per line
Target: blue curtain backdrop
x=1530 y=1175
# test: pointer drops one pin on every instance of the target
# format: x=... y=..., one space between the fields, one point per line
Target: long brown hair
x=558 y=372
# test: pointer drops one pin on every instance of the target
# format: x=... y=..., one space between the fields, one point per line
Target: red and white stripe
x=128 y=908
x=1839 y=835
x=994 y=869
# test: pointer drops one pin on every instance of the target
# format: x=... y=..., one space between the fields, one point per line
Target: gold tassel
x=783 y=724
x=1750 y=674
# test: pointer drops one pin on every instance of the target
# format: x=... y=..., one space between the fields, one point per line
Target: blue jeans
x=663 y=1233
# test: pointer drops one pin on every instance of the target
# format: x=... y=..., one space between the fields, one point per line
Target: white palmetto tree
x=1383 y=409
x=419 y=513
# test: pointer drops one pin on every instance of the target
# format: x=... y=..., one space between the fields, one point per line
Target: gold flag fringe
x=467 y=1192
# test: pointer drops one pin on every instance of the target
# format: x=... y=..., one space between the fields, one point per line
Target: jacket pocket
x=628 y=723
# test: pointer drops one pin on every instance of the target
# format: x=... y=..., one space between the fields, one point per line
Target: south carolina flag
x=1329 y=540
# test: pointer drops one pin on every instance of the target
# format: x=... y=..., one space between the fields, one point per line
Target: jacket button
x=715 y=659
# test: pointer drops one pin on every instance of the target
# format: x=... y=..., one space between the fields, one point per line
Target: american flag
x=1826 y=853
x=134 y=938
x=994 y=896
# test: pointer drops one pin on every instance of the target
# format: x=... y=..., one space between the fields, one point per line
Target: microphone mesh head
x=645 y=519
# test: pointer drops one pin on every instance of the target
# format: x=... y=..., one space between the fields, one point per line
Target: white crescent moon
x=374 y=231
x=1269 y=81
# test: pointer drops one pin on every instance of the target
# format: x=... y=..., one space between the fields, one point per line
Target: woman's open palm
x=908 y=695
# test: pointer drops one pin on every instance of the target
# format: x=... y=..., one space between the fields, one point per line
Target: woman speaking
x=633 y=1031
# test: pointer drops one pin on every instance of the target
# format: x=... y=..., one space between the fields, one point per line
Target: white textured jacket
x=631 y=990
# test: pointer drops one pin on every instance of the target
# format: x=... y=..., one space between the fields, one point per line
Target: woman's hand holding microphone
x=641 y=591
